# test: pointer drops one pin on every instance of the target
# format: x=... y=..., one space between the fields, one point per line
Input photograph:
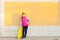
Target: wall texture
x=44 y=17
x=40 y=13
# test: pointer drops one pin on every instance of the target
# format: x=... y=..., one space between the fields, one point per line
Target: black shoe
x=22 y=37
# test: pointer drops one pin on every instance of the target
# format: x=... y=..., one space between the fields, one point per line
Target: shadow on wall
x=59 y=12
x=16 y=19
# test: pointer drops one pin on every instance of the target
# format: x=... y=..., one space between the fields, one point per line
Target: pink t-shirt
x=24 y=21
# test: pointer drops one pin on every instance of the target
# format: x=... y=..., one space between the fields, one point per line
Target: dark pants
x=24 y=31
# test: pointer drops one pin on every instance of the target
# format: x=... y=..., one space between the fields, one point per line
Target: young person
x=24 y=23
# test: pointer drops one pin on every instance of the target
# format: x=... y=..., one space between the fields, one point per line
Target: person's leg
x=23 y=29
x=26 y=31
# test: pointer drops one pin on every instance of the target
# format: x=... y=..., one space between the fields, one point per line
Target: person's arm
x=20 y=23
x=28 y=20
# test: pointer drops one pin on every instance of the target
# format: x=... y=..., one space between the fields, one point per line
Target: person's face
x=23 y=15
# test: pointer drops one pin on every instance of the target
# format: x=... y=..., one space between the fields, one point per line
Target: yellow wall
x=40 y=13
x=59 y=12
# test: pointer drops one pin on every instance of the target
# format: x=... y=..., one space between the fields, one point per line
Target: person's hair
x=23 y=13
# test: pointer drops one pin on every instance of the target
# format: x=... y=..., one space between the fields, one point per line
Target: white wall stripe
x=1 y=16
x=33 y=31
x=58 y=0
x=31 y=0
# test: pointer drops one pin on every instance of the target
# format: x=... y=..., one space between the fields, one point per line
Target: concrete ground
x=31 y=38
